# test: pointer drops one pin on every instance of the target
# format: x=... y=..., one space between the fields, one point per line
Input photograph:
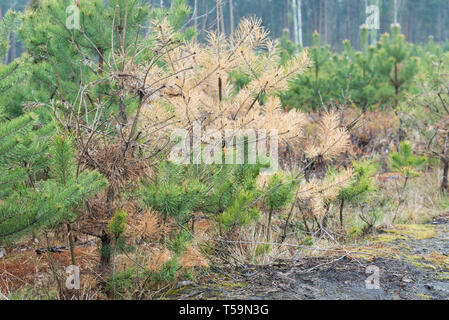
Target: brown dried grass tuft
x=120 y=167
x=193 y=258
x=249 y=245
x=374 y=132
x=146 y=226
x=124 y=171
x=26 y=270
x=157 y=258
x=424 y=200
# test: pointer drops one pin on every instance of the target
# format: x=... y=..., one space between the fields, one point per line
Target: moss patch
x=401 y=232
x=433 y=261
x=444 y=276
x=423 y=296
x=389 y=237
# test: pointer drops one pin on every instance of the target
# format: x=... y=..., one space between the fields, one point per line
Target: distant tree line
x=335 y=20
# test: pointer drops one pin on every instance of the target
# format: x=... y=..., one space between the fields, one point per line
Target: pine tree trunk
x=195 y=14
x=395 y=11
x=325 y=22
x=231 y=16
x=270 y=215
x=348 y=19
x=445 y=182
x=323 y=223
x=320 y=17
x=342 y=205
x=374 y=31
x=71 y=244
x=396 y=86
x=300 y=28
x=222 y=18
x=285 y=14
x=203 y=27
x=6 y=57
x=122 y=116
x=100 y=61
x=105 y=253
x=218 y=15
x=295 y=22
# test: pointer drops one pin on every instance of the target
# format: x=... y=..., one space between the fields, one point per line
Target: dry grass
x=118 y=166
x=424 y=200
x=374 y=131
x=28 y=275
x=157 y=258
x=193 y=258
x=250 y=246
x=146 y=226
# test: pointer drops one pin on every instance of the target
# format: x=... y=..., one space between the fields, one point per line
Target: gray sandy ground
x=418 y=269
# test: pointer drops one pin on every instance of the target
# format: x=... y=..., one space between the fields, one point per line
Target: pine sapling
x=362 y=185
x=405 y=162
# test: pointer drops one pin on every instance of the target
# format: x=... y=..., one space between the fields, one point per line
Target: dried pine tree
x=202 y=91
x=161 y=82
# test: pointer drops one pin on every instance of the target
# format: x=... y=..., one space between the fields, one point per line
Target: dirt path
x=413 y=263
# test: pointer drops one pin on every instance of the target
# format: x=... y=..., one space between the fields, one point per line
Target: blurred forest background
x=335 y=20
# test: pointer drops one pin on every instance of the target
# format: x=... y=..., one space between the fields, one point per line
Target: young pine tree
x=279 y=194
x=66 y=59
x=314 y=87
x=406 y=162
x=430 y=111
x=362 y=185
x=39 y=184
x=117 y=228
x=288 y=48
x=64 y=172
x=363 y=78
x=395 y=63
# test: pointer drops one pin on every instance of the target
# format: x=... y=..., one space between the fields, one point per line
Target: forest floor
x=412 y=260
x=412 y=263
